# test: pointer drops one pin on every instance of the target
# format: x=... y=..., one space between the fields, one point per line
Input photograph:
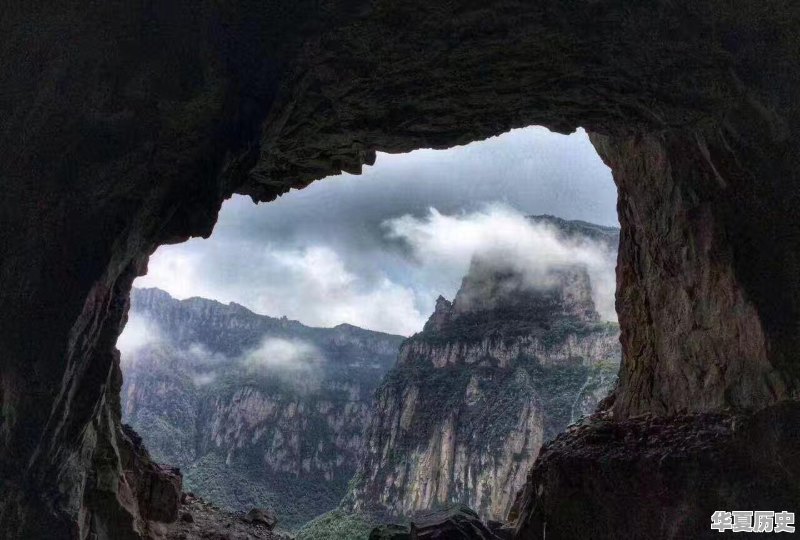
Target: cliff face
x=255 y=411
x=494 y=374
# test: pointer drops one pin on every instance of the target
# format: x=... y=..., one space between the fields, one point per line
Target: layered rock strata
x=494 y=374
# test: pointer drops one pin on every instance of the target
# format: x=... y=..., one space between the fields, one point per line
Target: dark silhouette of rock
x=202 y=520
x=164 y=494
x=457 y=522
x=657 y=477
x=390 y=532
x=263 y=517
x=157 y=488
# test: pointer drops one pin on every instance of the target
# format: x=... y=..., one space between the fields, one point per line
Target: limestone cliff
x=256 y=411
x=493 y=375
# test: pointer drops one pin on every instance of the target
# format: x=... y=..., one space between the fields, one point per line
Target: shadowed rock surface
x=259 y=516
x=452 y=523
x=200 y=519
x=656 y=477
x=125 y=125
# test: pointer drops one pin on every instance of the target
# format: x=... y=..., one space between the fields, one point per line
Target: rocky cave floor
x=200 y=519
x=674 y=471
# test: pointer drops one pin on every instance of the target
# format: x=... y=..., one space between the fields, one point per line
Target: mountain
x=255 y=410
x=503 y=368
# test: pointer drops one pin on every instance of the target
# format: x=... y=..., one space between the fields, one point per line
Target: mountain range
x=343 y=428
x=255 y=410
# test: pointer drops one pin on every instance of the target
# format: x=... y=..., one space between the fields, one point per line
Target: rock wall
x=680 y=270
x=657 y=477
x=503 y=368
x=125 y=125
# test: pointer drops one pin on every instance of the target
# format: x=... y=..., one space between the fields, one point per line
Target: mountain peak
x=496 y=294
x=441 y=316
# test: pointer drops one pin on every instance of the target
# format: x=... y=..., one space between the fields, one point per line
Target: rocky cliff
x=493 y=375
x=256 y=411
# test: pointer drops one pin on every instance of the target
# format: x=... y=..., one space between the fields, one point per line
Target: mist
x=277 y=354
x=448 y=243
x=139 y=332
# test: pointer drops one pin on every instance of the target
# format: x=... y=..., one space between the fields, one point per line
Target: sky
x=376 y=250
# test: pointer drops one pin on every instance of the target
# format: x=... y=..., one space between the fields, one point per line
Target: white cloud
x=312 y=284
x=179 y=270
x=138 y=332
x=202 y=379
x=293 y=361
x=282 y=354
x=447 y=243
x=200 y=356
x=324 y=292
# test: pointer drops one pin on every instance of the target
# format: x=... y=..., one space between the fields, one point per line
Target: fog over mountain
x=400 y=234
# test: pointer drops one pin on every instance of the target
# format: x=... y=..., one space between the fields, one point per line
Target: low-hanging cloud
x=138 y=332
x=330 y=293
x=293 y=361
x=449 y=242
x=202 y=379
x=282 y=354
x=313 y=284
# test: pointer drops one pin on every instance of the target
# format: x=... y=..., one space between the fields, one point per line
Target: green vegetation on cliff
x=337 y=525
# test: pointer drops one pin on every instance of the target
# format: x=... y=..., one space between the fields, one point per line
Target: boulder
x=390 y=532
x=164 y=493
x=457 y=522
x=661 y=477
x=263 y=517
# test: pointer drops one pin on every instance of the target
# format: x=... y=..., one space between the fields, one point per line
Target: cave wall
x=124 y=126
x=707 y=324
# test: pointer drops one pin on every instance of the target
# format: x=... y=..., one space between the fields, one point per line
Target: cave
x=125 y=127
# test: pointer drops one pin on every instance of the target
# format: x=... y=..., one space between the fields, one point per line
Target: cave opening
x=267 y=360
x=125 y=129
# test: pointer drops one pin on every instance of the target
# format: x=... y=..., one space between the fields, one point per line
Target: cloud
x=201 y=357
x=202 y=379
x=283 y=354
x=320 y=255
x=138 y=332
x=447 y=244
x=312 y=284
x=293 y=361
x=326 y=293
